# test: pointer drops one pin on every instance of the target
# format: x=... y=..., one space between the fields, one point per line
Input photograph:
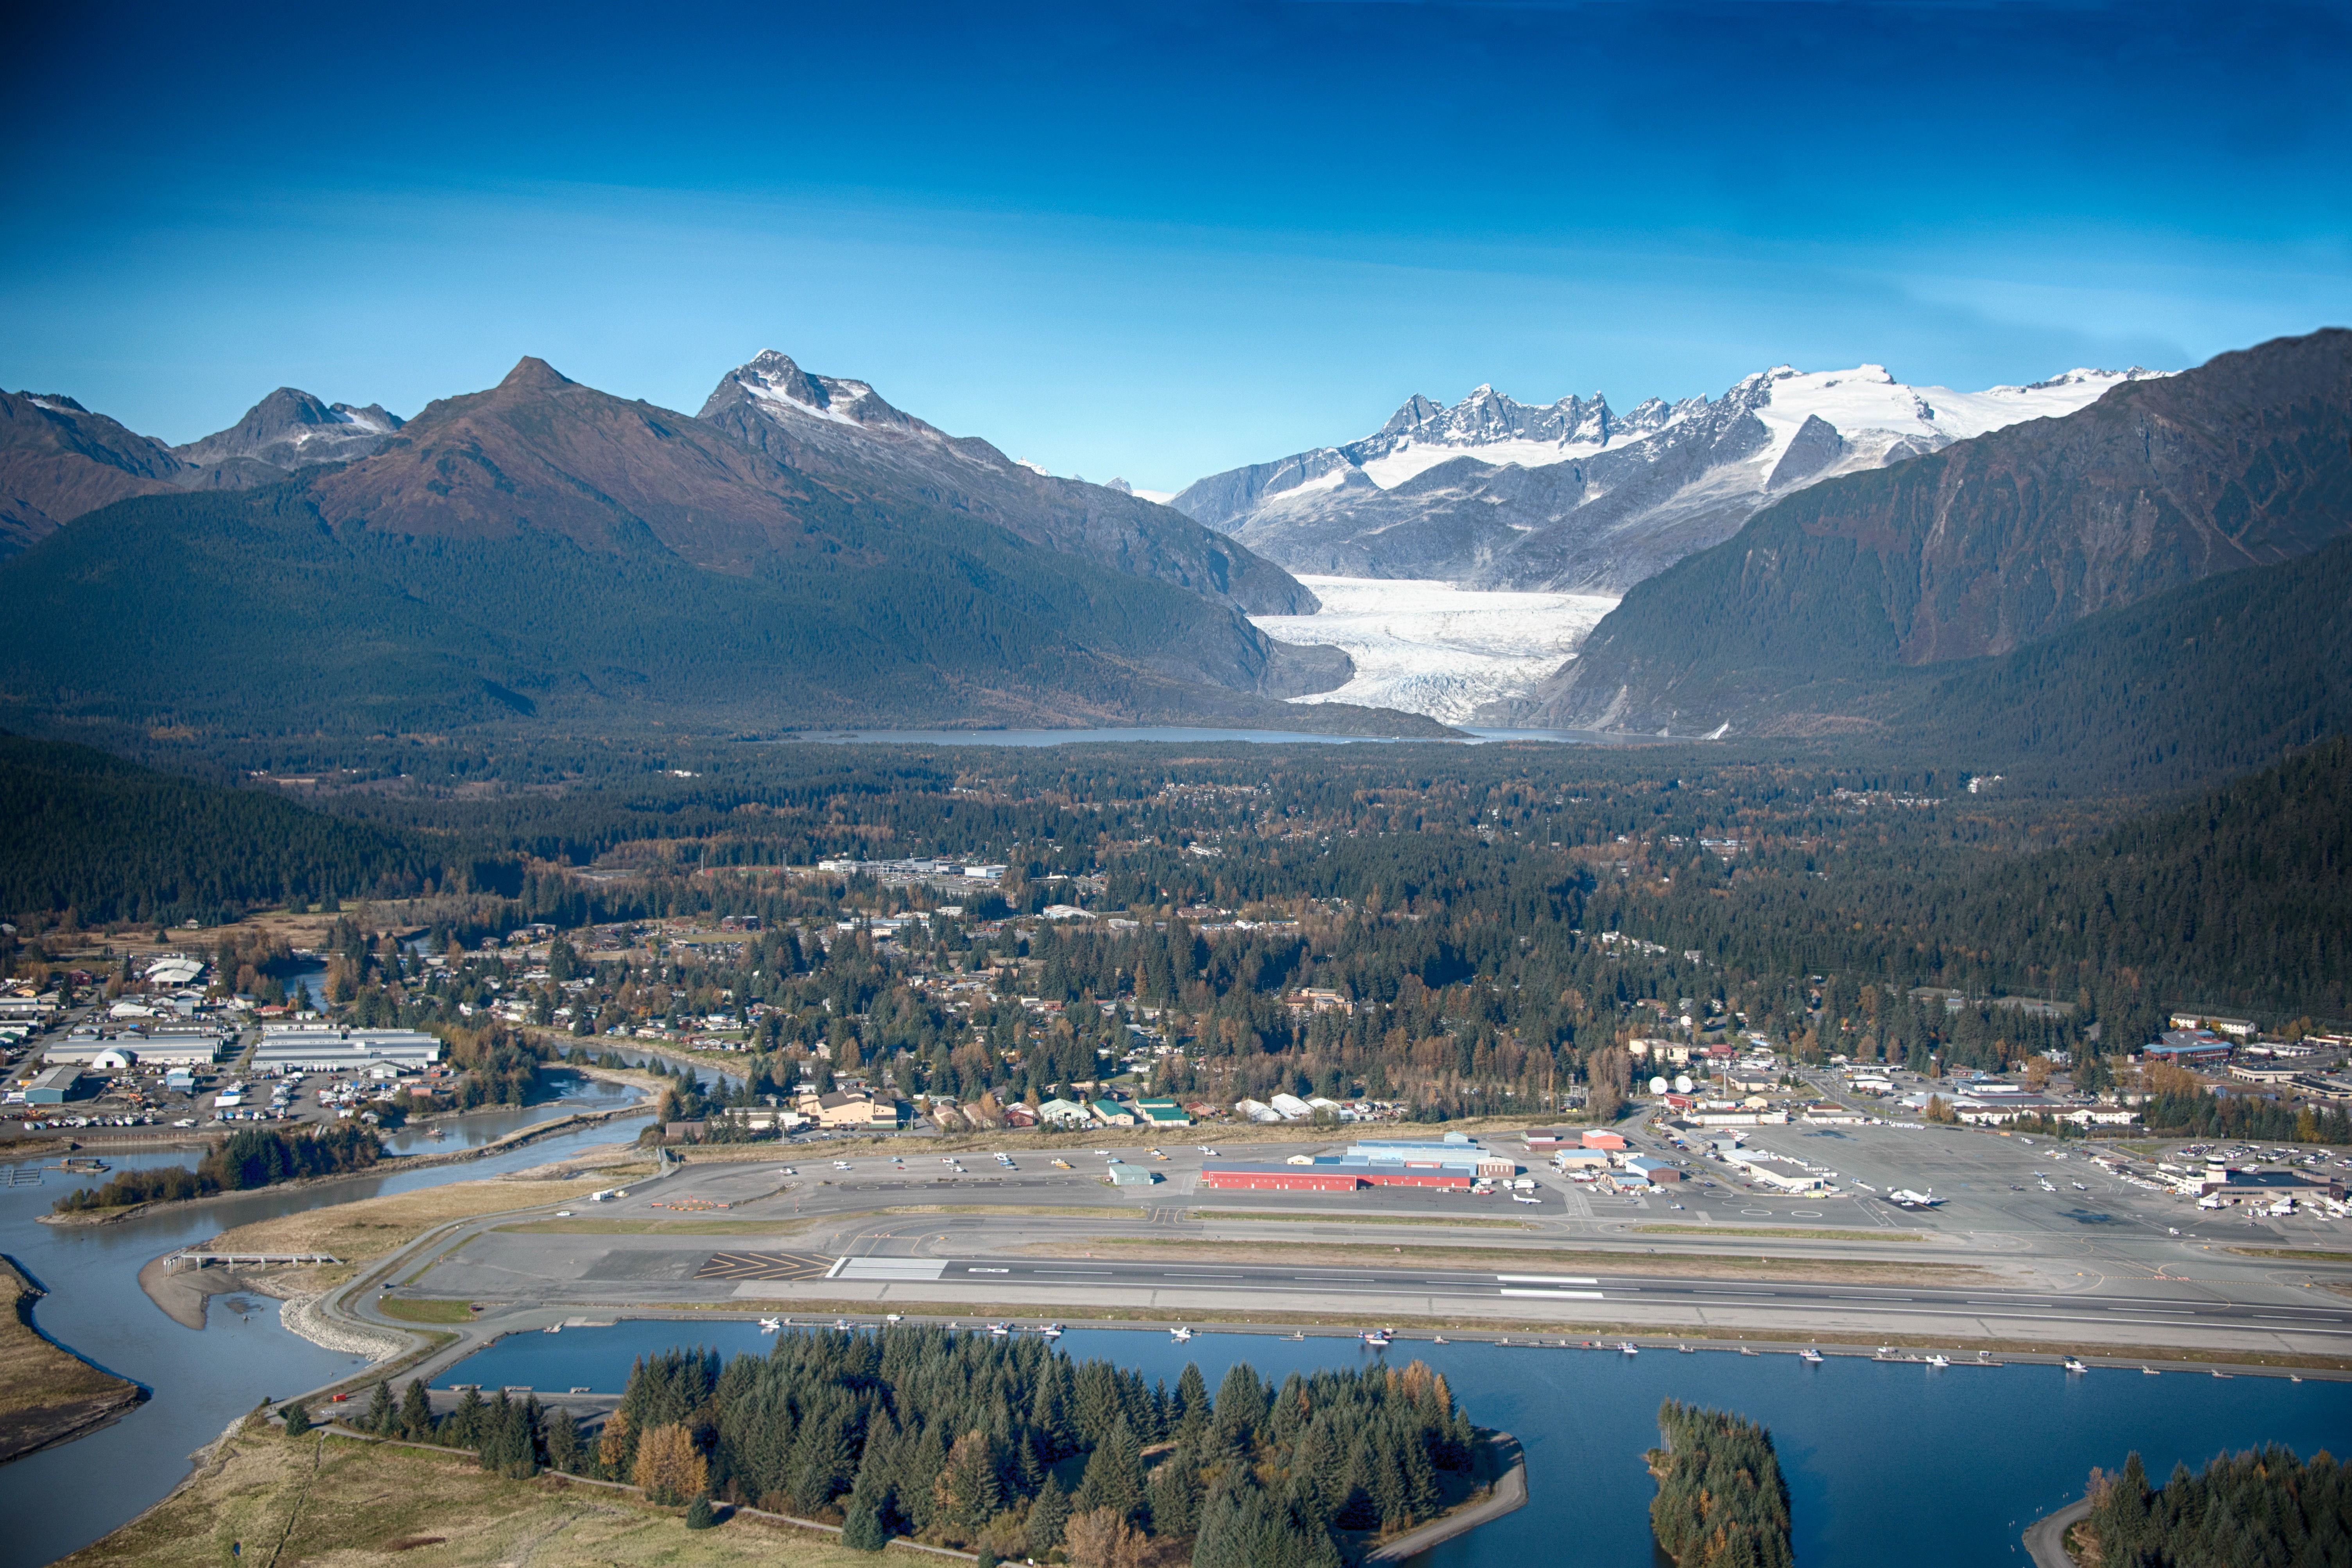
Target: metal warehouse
x=1374 y=1163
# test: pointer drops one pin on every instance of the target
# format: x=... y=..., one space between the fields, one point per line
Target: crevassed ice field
x=1428 y=647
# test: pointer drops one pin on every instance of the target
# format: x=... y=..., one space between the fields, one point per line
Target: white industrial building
x=309 y=1048
x=165 y=1046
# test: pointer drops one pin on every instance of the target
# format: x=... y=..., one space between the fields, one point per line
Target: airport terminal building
x=1456 y=1161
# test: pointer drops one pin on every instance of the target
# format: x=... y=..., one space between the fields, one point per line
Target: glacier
x=1427 y=647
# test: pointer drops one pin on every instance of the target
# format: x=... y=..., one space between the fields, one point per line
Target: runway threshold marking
x=765 y=1266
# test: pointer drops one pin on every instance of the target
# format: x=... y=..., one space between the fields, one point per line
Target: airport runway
x=2186 y=1309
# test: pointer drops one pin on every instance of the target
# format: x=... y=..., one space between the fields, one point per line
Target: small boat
x=886 y=1317
x=1939 y=1361
x=2074 y=1364
x=998 y=1331
x=2224 y=1374
x=1442 y=1340
x=436 y=1132
x=1181 y=1335
x=1052 y=1331
x=770 y=1325
x=2295 y=1377
x=1883 y=1353
x=2150 y=1372
x=1298 y=1333
x=842 y=1323
x=1744 y=1351
x=1685 y=1349
x=553 y=1328
x=1379 y=1338
x=1810 y=1356
x=1627 y=1347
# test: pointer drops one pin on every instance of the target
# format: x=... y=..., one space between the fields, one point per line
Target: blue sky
x=1157 y=241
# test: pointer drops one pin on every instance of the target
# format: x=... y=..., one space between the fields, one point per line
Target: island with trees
x=1005 y=1448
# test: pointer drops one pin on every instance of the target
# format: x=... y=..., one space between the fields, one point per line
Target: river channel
x=64 y=1497
x=1885 y=1462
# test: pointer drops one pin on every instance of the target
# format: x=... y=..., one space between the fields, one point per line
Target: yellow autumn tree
x=1103 y=1539
x=616 y=1447
x=669 y=1466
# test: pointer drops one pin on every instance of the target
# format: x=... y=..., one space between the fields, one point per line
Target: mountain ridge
x=542 y=552
x=842 y=430
x=1571 y=497
x=1987 y=547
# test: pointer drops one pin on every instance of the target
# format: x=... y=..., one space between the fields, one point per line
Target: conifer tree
x=415 y=1412
x=1114 y=1477
x=563 y=1451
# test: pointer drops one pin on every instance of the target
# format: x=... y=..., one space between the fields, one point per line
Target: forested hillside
x=108 y=841
x=2245 y=898
x=1986 y=547
x=2185 y=689
x=542 y=555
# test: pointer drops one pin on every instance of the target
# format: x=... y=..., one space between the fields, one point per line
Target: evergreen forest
x=2264 y=1507
x=1007 y=1446
x=1721 y=1501
x=248 y=1158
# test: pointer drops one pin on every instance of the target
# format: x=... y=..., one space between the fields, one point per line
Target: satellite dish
x=1657 y=1085
x=1681 y=1083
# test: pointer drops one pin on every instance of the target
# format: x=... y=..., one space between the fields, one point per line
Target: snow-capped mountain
x=844 y=434
x=1570 y=496
x=290 y=429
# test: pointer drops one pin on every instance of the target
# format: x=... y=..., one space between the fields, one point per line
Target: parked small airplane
x=1904 y=1197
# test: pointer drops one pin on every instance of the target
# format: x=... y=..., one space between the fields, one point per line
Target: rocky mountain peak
x=291 y=428
x=782 y=389
x=532 y=373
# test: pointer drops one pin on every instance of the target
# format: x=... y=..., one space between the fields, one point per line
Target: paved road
x=2046 y=1538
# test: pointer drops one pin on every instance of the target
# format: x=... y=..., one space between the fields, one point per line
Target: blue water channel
x=1885 y=1462
x=64 y=1497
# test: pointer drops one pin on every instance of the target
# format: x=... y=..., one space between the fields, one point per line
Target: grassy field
x=1734 y=1232
x=1449 y=1221
x=358 y=1232
x=45 y=1393
x=659 y=1227
x=1671 y=1265
x=335 y=1502
x=433 y=1310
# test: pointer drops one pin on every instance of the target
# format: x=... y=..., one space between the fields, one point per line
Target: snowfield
x=1427 y=647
